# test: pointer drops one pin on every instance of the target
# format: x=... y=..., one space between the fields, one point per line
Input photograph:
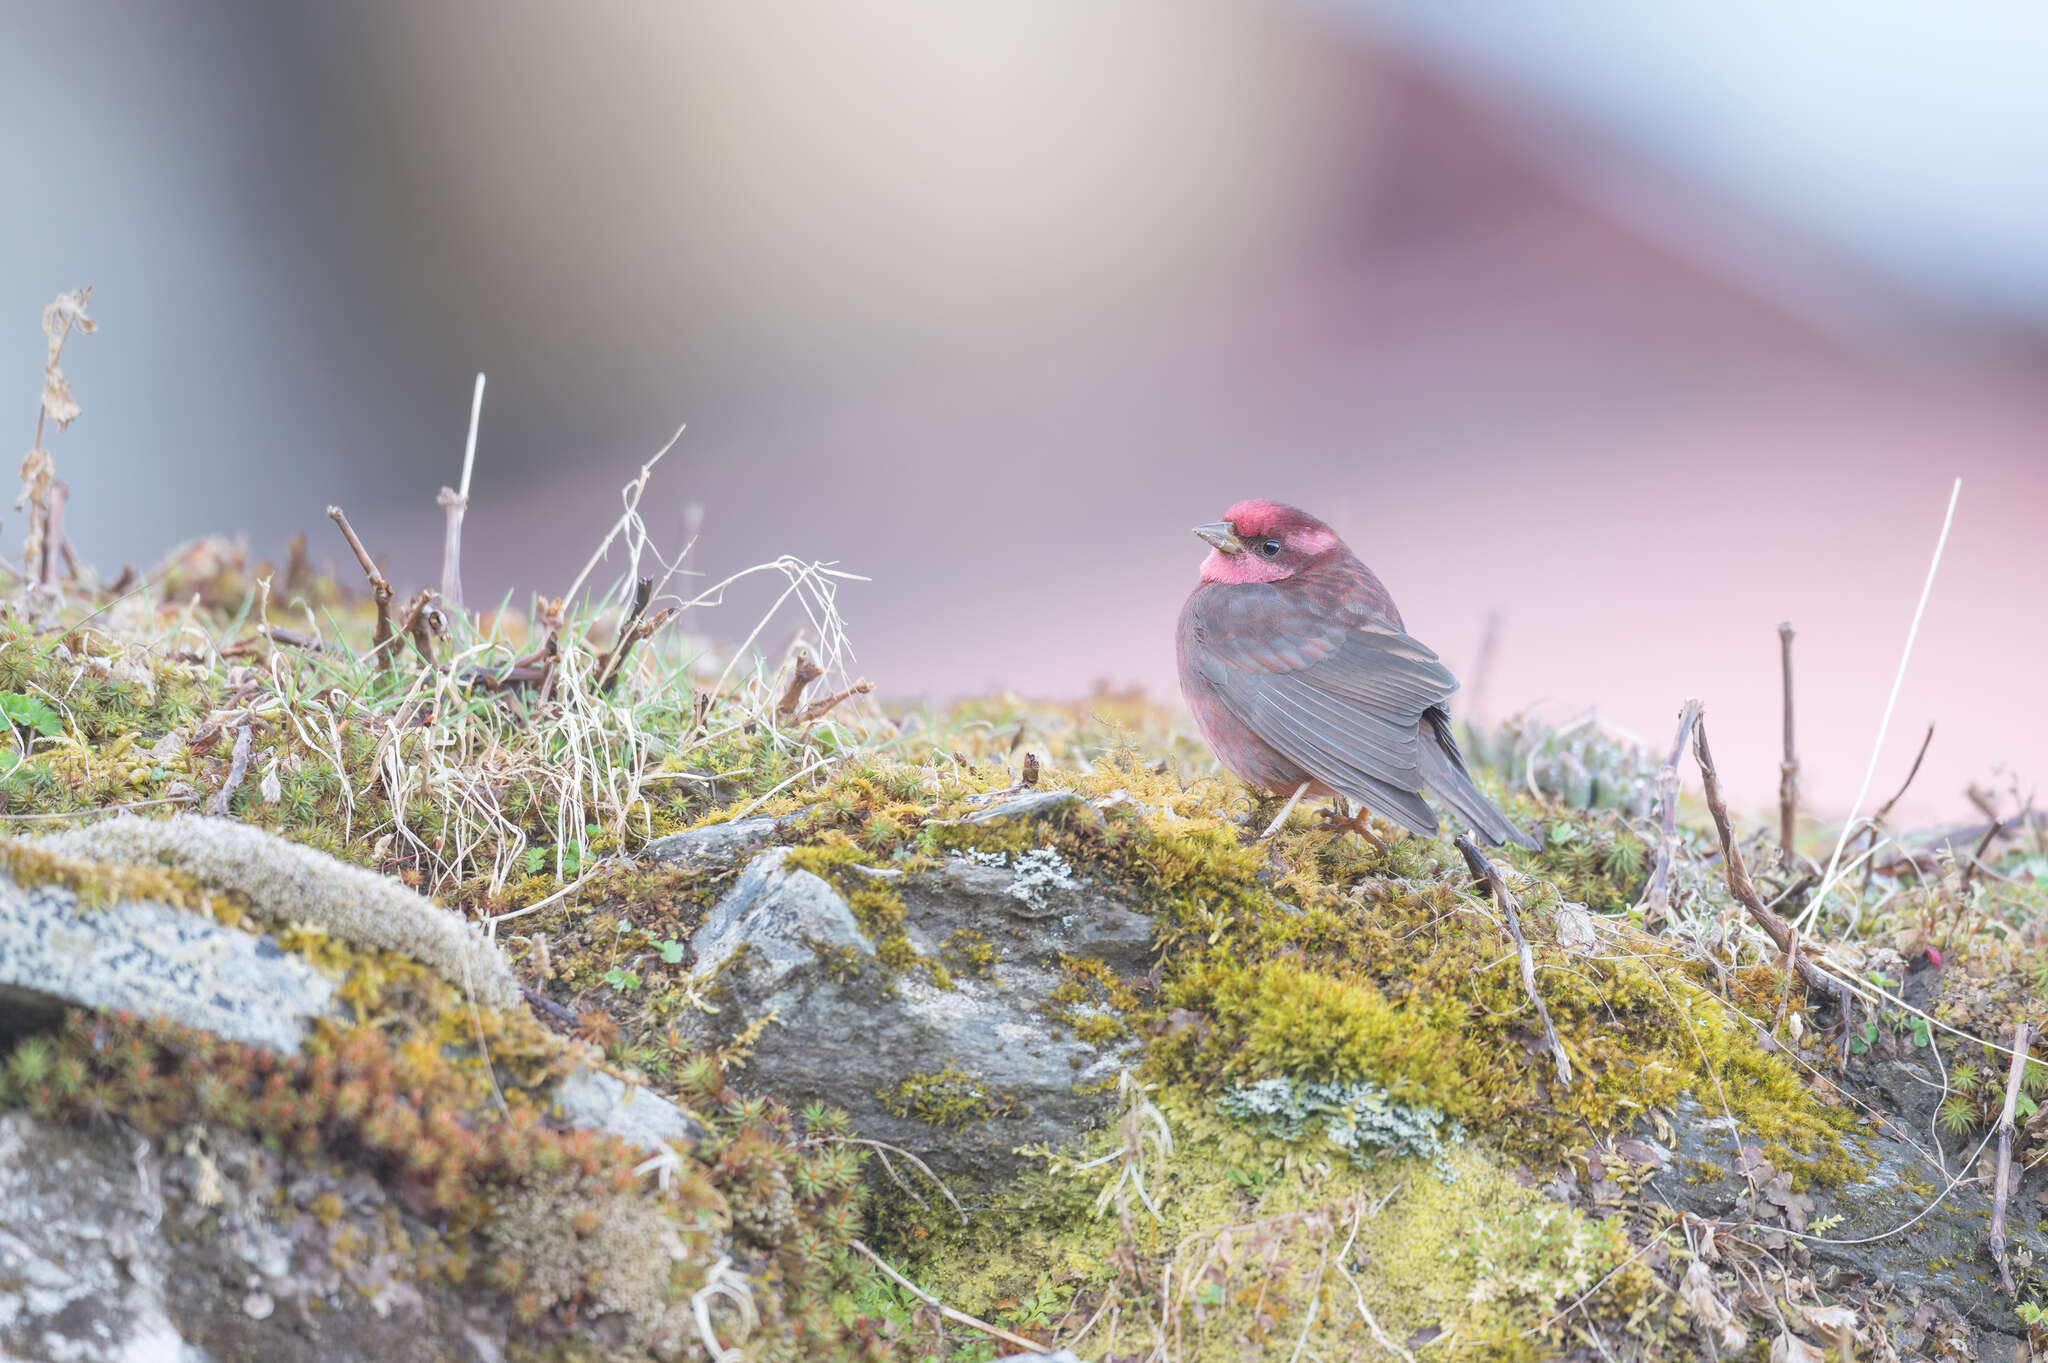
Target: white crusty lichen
x=288 y=883
x=1360 y=1118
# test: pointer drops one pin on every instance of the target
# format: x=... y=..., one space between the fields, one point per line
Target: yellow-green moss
x=948 y=1097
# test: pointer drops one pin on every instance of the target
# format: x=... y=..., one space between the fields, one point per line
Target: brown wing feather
x=1321 y=674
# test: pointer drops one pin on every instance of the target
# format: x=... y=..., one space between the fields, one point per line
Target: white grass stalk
x=1830 y=878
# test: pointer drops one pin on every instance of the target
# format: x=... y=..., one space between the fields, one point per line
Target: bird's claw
x=1335 y=822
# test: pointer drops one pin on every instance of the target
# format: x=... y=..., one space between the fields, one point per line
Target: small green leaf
x=622 y=979
x=30 y=713
x=672 y=952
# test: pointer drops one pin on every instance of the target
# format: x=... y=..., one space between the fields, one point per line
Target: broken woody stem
x=1483 y=867
x=1788 y=770
x=2022 y=1037
x=380 y=589
x=1782 y=933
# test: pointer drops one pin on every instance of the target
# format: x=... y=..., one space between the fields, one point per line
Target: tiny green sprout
x=1923 y=1035
x=1958 y=1115
x=1965 y=1078
x=1881 y=980
x=1865 y=1038
x=2034 y=1078
x=2030 y=1313
x=618 y=977
x=1562 y=833
x=671 y=952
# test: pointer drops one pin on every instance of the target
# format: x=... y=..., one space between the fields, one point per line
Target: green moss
x=949 y=1097
x=970 y=953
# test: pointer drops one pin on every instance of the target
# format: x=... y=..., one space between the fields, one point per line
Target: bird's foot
x=1336 y=821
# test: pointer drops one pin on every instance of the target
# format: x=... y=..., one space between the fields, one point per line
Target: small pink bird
x=1295 y=662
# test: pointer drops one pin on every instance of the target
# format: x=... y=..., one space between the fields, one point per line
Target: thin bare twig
x=2022 y=1035
x=238 y=768
x=1657 y=897
x=380 y=590
x=816 y=709
x=882 y=1148
x=1744 y=889
x=609 y=662
x=1877 y=819
x=959 y=1317
x=1487 y=871
x=1788 y=770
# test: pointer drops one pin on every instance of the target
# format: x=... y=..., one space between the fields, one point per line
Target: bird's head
x=1263 y=542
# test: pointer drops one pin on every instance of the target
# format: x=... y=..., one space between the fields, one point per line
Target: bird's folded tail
x=1443 y=771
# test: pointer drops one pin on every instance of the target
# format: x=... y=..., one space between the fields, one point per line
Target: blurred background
x=1634 y=329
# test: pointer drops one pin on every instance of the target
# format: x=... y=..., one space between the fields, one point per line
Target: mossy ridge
x=1247 y=1222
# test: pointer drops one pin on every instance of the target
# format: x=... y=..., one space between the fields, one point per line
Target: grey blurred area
x=307 y=226
x=1637 y=328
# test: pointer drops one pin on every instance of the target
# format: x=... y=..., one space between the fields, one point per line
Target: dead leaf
x=1790 y=1348
x=1713 y=1314
x=1575 y=930
x=1835 y=1324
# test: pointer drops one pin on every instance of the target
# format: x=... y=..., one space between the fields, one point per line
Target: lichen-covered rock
x=287 y=883
x=961 y=1039
x=111 y=1252
x=150 y=959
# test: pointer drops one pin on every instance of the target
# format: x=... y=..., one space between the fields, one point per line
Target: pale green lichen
x=1359 y=1118
x=287 y=883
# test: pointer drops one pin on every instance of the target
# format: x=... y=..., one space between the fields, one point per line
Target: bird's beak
x=1223 y=535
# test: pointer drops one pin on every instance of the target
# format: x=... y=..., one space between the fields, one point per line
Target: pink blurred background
x=1639 y=328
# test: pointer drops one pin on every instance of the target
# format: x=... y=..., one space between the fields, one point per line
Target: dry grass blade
x=957 y=1317
x=1657 y=897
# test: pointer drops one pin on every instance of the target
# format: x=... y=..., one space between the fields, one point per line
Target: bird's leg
x=1285 y=810
x=1338 y=818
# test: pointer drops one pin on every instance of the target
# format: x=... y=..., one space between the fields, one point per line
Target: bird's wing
x=1340 y=692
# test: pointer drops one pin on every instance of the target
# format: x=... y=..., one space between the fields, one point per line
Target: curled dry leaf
x=1834 y=1324
x=1790 y=1348
x=64 y=313
x=1713 y=1314
x=1575 y=930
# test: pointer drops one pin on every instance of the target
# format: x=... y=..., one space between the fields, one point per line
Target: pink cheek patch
x=1222 y=567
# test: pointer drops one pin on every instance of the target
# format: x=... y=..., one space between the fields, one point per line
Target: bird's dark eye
x=1271 y=548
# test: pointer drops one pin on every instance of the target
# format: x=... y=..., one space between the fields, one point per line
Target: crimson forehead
x=1252 y=519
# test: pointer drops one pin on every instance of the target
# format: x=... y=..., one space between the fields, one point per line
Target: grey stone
x=782 y=918
x=848 y=1030
x=1893 y=1237
x=593 y=1098
x=713 y=847
x=105 y=1258
x=1037 y=804
x=152 y=960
